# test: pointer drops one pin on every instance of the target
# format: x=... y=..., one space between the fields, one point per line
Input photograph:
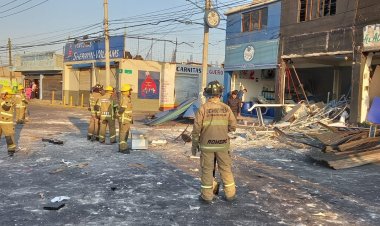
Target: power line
x=24 y=9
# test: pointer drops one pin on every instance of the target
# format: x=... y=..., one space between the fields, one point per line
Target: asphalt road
x=277 y=185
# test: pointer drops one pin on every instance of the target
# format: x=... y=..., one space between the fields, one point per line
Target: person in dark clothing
x=234 y=103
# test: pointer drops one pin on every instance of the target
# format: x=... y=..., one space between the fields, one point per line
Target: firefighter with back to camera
x=212 y=123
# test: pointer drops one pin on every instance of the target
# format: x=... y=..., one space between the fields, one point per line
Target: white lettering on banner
x=95 y=55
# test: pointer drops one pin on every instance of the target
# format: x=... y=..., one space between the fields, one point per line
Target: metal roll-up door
x=84 y=86
x=84 y=80
x=186 y=87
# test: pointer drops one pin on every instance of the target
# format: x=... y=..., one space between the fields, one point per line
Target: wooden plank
x=354 y=160
x=360 y=144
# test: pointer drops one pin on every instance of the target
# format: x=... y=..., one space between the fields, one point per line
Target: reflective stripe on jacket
x=106 y=103
x=94 y=97
x=6 y=117
x=126 y=116
x=212 y=123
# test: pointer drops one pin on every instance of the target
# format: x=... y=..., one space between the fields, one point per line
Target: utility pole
x=107 y=43
x=205 y=48
x=10 y=60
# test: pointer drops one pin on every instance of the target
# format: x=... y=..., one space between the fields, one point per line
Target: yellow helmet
x=126 y=87
x=6 y=89
x=20 y=87
x=108 y=88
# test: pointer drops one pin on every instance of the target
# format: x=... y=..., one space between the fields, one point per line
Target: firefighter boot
x=215 y=187
x=230 y=192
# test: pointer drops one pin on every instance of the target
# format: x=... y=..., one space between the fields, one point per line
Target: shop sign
x=126 y=71
x=196 y=70
x=371 y=37
x=94 y=49
x=37 y=62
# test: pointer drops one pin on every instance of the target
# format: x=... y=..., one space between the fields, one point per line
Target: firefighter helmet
x=6 y=89
x=126 y=87
x=214 y=88
x=108 y=88
x=20 y=87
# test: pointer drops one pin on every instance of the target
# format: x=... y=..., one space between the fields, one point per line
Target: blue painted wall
x=265 y=42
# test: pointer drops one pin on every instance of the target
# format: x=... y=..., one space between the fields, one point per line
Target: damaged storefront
x=252 y=53
x=370 y=69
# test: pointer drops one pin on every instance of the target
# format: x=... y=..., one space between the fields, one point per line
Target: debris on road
x=59 y=198
x=54 y=206
x=52 y=141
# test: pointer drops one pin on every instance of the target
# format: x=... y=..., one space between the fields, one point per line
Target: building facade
x=44 y=70
x=252 y=43
x=322 y=44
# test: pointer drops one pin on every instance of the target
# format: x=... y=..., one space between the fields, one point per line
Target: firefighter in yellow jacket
x=125 y=117
x=212 y=123
x=21 y=104
x=6 y=118
x=107 y=104
x=93 y=127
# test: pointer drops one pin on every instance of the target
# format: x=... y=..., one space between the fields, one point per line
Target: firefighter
x=6 y=118
x=21 y=105
x=93 y=127
x=125 y=117
x=107 y=104
x=212 y=123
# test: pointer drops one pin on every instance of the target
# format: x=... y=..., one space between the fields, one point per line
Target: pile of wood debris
x=315 y=125
x=340 y=147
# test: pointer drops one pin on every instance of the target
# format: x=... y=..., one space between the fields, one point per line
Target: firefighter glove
x=96 y=107
x=6 y=107
x=194 y=150
x=121 y=110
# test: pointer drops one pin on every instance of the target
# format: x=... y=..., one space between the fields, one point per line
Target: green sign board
x=126 y=71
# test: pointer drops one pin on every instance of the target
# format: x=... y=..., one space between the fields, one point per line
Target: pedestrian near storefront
x=125 y=117
x=212 y=123
x=21 y=105
x=94 y=108
x=107 y=104
x=6 y=118
x=234 y=103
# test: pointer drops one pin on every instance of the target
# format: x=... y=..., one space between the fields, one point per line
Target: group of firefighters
x=212 y=123
x=105 y=108
x=12 y=107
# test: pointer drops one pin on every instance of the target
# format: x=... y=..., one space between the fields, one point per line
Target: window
x=255 y=20
x=313 y=9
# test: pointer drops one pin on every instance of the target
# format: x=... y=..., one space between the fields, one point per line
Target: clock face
x=249 y=52
x=212 y=18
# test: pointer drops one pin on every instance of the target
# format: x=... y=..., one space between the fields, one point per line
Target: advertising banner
x=371 y=37
x=250 y=56
x=149 y=85
x=94 y=49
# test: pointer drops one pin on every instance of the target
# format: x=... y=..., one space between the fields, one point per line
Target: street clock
x=212 y=18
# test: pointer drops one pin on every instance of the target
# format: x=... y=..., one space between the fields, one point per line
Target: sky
x=46 y=25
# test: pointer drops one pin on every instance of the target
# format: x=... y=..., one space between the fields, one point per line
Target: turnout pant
x=224 y=162
x=123 y=136
x=103 y=127
x=93 y=127
x=9 y=133
x=20 y=114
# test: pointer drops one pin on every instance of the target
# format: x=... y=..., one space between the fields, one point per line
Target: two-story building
x=322 y=44
x=252 y=43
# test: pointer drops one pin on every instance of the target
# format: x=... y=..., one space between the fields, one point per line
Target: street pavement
x=277 y=185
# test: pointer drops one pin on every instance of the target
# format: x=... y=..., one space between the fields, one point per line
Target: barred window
x=313 y=9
